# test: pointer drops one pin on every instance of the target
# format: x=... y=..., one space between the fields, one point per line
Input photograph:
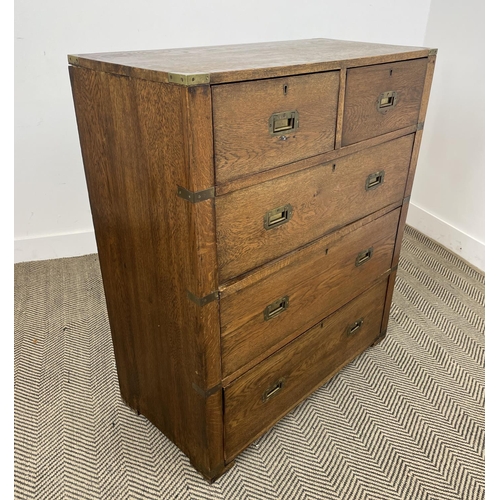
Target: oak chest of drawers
x=248 y=204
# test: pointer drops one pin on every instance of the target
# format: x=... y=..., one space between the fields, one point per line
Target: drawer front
x=262 y=222
x=296 y=294
x=259 y=398
x=382 y=98
x=263 y=124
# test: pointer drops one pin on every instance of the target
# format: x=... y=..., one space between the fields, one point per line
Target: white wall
x=52 y=214
x=448 y=195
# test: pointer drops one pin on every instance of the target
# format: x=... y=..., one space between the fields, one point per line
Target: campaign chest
x=248 y=204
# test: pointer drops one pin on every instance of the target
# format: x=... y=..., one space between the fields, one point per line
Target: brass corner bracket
x=202 y=301
x=206 y=393
x=433 y=52
x=195 y=196
x=189 y=80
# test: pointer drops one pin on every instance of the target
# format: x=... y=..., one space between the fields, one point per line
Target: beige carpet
x=405 y=420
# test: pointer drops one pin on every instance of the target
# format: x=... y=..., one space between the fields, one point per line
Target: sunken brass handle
x=284 y=123
x=277 y=216
x=374 y=180
x=273 y=390
x=364 y=256
x=355 y=327
x=387 y=100
x=276 y=308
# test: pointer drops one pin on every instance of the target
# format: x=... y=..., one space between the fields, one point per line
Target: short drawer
x=262 y=222
x=382 y=98
x=278 y=302
x=262 y=124
x=259 y=398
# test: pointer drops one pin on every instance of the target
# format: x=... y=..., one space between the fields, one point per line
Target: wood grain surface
x=362 y=119
x=300 y=367
x=340 y=109
x=137 y=147
x=317 y=280
x=387 y=305
x=231 y=63
x=323 y=197
x=241 y=113
x=275 y=266
x=400 y=232
x=421 y=118
x=266 y=175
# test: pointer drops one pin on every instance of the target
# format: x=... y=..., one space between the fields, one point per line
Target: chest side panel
x=137 y=144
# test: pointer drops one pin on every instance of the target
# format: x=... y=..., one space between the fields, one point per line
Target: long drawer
x=262 y=222
x=292 y=294
x=263 y=395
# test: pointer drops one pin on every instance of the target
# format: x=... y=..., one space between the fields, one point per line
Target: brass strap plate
x=202 y=301
x=206 y=393
x=195 y=196
x=188 y=80
x=420 y=126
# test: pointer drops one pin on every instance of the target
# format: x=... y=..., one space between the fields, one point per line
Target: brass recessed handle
x=387 y=100
x=276 y=308
x=364 y=256
x=277 y=216
x=374 y=180
x=283 y=123
x=273 y=390
x=355 y=327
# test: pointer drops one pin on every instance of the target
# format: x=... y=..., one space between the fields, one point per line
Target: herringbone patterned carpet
x=403 y=421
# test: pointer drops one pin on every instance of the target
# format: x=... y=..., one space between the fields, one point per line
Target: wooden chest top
x=231 y=63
